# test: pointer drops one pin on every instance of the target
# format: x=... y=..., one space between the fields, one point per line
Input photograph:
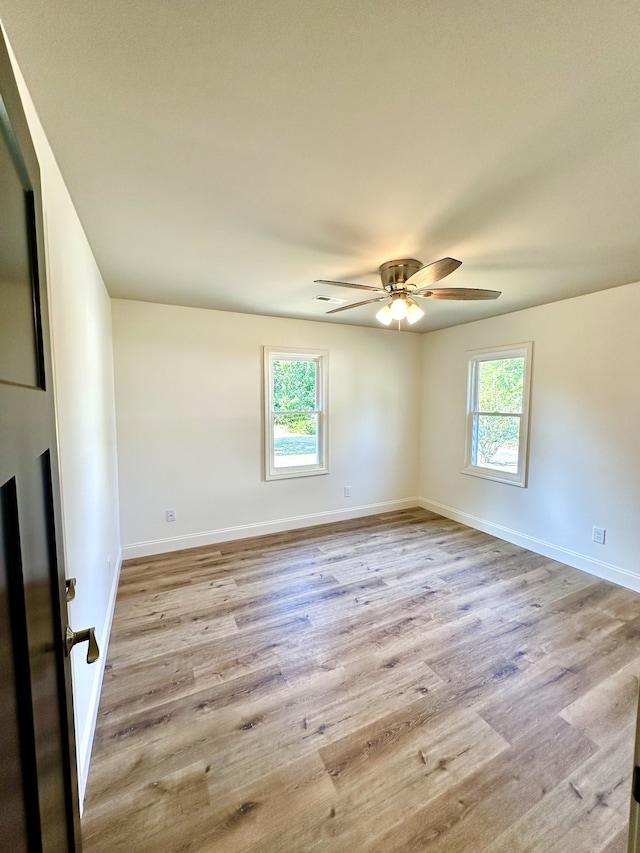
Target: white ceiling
x=226 y=154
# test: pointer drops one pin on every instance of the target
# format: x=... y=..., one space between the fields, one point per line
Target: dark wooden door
x=633 y=844
x=38 y=786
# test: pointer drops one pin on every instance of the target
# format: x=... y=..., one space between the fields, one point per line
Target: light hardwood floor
x=393 y=683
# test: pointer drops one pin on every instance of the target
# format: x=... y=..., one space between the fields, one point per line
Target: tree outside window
x=295 y=415
x=497 y=413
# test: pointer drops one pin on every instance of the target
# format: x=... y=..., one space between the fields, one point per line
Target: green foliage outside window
x=294 y=390
x=500 y=389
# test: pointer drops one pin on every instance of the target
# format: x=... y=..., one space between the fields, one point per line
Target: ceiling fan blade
x=350 y=284
x=460 y=293
x=431 y=273
x=357 y=304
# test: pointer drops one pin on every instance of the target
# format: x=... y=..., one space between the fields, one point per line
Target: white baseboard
x=85 y=747
x=225 y=534
x=606 y=571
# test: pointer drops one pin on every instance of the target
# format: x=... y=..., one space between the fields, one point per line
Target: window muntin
x=295 y=413
x=498 y=413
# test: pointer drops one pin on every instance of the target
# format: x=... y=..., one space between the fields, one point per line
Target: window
x=295 y=413
x=498 y=413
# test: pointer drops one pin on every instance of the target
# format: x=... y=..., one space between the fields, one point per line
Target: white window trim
x=518 y=478
x=321 y=357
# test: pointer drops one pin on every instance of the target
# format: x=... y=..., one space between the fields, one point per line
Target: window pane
x=500 y=385
x=294 y=385
x=496 y=441
x=295 y=440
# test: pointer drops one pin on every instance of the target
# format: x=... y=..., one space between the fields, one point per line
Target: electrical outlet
x=347 y=491
x=171 y=515
x=598 y=535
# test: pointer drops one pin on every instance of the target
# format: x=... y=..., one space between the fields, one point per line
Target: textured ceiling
x=225 y=155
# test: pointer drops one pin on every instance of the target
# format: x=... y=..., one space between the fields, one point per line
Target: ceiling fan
x=405 y=278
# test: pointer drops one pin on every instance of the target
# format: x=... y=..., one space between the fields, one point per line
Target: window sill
x=291 y=473
x=496 y=476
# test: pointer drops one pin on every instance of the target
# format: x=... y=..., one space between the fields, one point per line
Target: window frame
x=321 y=359
x=474 y=359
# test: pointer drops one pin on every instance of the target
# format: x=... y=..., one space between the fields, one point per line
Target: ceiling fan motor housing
x=395 y=273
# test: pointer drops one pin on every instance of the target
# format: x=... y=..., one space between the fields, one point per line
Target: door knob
x=89 y=634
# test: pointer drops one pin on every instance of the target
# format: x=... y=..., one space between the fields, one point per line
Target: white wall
x=80 y=314
x=189 y=414
x=584 y=466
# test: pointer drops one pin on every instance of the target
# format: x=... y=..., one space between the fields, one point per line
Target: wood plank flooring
x=394 y=683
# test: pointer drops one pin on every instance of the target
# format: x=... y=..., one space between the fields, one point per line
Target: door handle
x=89 y=634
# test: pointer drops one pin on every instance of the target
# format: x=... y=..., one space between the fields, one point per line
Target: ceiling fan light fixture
x=414 y=312
x=398 y=308
x=384 y=316
x=404 y=278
